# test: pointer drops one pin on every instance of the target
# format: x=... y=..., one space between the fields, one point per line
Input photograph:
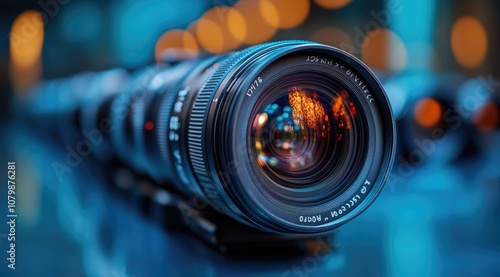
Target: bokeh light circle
x=383 y=49
x=26 y=39
x=213 y=33
x=176 y=44
x=257 y=29
x=284 y=14
x=469 y=42
x=487 y=118
x=332 y=4
x=427 y=112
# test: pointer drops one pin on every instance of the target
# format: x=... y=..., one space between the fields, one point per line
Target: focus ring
x=196 y=126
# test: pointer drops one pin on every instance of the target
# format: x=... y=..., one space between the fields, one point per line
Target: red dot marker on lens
x=149 y=125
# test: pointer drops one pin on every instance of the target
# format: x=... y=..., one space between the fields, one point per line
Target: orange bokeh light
x=26 y=40
x=332 y=4
x=469 y=42
x=428 y=112
x=176 y=43
x=212 y=29
x=250 y=27
x=383 y=49
x=487 y=118
x=26 y=43
x=284 y=14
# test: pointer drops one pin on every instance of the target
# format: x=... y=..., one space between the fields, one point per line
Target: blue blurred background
x=439 y=214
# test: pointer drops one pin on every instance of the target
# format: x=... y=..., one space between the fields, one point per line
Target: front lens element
x=304 y=133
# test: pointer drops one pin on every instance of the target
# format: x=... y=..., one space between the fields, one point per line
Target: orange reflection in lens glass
x=340 y=113
x=305 y=108
x=427 y=112
x=487 y=117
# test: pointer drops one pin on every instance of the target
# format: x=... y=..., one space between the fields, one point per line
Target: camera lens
x=287 y=137
x=293 y=146
x=292 y=137
x=304 y=137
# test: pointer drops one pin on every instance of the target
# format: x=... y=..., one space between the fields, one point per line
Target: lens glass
x=304 y=132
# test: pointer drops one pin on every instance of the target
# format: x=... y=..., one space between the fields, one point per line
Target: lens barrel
x=287 y=137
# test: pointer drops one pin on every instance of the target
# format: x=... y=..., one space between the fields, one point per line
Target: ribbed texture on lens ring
x=197 y=119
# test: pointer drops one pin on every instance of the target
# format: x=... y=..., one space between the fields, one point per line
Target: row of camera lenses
x=444 y=118
x=259 y=133
x=440 y=118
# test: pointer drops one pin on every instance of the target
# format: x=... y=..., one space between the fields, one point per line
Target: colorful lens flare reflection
x=296 y=133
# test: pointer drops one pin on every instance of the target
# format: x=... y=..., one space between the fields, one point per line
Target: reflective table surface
x=431 y=220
